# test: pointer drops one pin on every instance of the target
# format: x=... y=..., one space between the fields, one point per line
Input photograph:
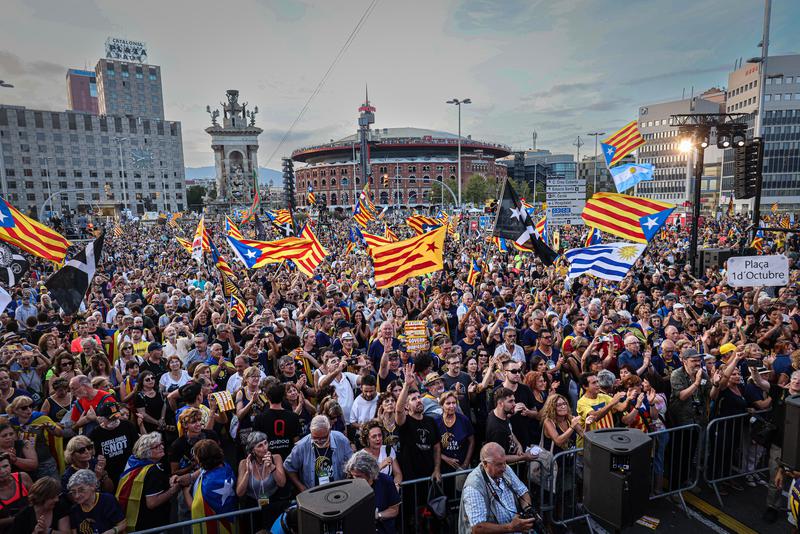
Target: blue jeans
x=658 y=455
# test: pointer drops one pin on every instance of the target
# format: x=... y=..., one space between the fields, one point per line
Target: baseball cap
x=108 y=410
x=679 y=306
x=155 y=345
x=726 y=348
x=347 y=335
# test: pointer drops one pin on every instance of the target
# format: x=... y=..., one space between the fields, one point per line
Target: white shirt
x=166 y=381
x=345 y=387
x=518 y=355
x=235 y=382
x=363 y=410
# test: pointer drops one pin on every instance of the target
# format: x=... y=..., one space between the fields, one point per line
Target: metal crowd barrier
x=562 y=496
x=730 y=450
x=191 y=522
x=676 y=451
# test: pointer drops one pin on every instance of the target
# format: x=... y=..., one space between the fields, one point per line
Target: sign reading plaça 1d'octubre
x=744 y=271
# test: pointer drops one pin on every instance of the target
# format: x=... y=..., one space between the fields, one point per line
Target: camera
x=527 y=513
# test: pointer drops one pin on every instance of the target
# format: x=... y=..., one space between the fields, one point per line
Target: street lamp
x=456 y=102
x=47 y=171
x=595 y=135
x=3 y=83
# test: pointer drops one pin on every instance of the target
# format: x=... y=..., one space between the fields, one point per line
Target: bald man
x=492 y=495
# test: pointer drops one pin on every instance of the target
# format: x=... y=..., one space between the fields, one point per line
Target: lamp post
x=3 y=184
x=456 y=102
x=49 y=200
x=595 y=135
x=47 y=172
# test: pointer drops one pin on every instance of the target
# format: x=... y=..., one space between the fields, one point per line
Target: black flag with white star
x=13 y=266
x=513 y=222
x=69 y=284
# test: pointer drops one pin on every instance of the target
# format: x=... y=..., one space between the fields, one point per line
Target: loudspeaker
x=790 y=451
x=343 y=506
x=616 y=474
x=714 y=257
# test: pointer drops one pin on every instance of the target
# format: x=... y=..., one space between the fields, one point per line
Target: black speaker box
x=343 y=506
x=790 y=451
x=616 y=474
x=714 y=257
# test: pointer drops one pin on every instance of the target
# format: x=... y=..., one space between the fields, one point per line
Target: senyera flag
x=30 y=235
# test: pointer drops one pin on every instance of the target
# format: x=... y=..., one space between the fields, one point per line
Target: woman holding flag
x=213 y=491
x=145 y=489
x=37 y=427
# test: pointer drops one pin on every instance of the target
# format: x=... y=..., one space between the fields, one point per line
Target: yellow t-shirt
x=587 y=406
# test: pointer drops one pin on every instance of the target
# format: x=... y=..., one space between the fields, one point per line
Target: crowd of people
x=155 y=404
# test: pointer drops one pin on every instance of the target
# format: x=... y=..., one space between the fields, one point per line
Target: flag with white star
x=214 y=493
x=636 y=219
x=514 y=222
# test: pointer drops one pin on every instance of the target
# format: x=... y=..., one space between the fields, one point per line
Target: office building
x=672 y=177
x=781 y=129
x=536 y=166
x=82 y=91
x=123 y=155
x=593 y=170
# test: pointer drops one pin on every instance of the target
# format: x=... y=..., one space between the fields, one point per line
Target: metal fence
x=675 y=467
x=188 y=524
x=733 y=449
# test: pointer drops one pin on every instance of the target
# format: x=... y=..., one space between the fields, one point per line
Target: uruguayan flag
x=610 y=261
x=630 y=174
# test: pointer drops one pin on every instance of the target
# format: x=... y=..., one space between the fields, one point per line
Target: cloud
x=286 y=10
x=11 y=64
x=560 y=89
x=490 y=16
x=683 y=73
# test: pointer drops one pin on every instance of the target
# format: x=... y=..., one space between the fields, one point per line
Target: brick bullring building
x=410 y=158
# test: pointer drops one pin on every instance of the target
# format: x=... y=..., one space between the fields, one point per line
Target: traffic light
x=748 y=162
x=288 y=182
x=385 y=179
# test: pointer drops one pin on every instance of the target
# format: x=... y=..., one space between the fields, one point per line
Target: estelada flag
x=633 y=218
x=214 y=493
x=131 y=488
x=30 y=235
x=397 y=262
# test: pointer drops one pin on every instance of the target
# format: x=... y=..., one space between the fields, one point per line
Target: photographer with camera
x=494 y=499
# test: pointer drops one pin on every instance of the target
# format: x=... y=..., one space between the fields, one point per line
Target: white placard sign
x=750 y=271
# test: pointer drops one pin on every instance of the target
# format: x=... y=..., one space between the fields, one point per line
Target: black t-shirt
x=499 y=431
x=116 y=445
x=463 y=379
x=522 y=425
x=417 y=439
x=152 y=407
x=159 y=368
x=155 y=482
x=25 y=521
x=282 y=428
x=181 y=450
x=104 y=515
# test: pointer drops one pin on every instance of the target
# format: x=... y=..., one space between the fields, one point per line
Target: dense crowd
x=116 y=418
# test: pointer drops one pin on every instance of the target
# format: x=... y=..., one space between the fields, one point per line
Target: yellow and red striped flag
x=185 y=243
x=389 y=234
x=622 y=143
x=30 y=235
x=397 y=262
x=421 y=224
x=316 y=253
x=200 y=240
x=370 y=207
x=231 y=229
x=633 y=218
x=362 y=215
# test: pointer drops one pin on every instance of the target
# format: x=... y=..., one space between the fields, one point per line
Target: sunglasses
x=84 y=449
x=513 y=371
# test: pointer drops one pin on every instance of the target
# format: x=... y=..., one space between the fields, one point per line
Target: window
x=27 y=172
x=139 y=73
x=73 y=125
x=37 y=119
x=21 y=122
x=31 y=196
x=77 y=174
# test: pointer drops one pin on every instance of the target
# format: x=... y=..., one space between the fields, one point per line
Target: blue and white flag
x=611 y=261
x=629 y=174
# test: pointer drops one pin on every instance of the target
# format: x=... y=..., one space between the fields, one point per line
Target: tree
x=195 y=195
x=522 y=189
x=436 y=191
x=477 y=190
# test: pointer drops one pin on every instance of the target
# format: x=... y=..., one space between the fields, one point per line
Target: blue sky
x=562 y=68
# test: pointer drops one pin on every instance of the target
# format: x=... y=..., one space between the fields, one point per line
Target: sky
x=560 y=67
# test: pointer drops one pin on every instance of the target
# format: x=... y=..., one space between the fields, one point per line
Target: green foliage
x=436 y=191
x=195 y=195
x=477 y=190
x=522 y=189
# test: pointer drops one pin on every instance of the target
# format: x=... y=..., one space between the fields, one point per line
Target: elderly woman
x=58 y=404
x=79 y=454
x=93 y=511
x=46 y=513
x=145 y=490
x=260 y=475
x=36 y=427
x=363 y=465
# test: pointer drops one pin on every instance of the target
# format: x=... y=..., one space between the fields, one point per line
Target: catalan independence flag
x=502 y=246
x=54 y=443
x=30 y=235
x=214 y=493
x=421 y=224
x=361 y=214
x=131 y=489
x=231 y=229
x=370 y=207
x=541 y=227
x=622 y=143
x=238 y=308
x=633 y=218
x=312 y=199
x=758 y=242
x=256 y=254
x=316 y=253
x=593 y=237
x=397 y=262
x=474 y=273
x=219 y=260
